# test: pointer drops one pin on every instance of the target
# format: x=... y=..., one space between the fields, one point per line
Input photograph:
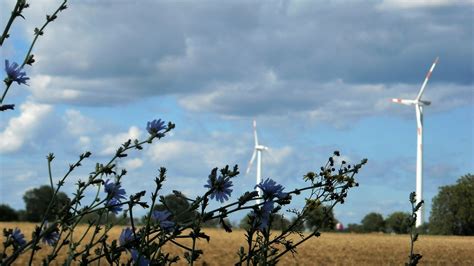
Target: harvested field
x=328 y=249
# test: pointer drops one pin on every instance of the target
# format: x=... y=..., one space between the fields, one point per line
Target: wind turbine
x=418 y=103
x=257 y=152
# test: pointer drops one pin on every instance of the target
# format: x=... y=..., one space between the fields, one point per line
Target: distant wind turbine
x=257 y=152
x=419 y=150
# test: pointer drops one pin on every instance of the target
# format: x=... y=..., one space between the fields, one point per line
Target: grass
x=328 y=249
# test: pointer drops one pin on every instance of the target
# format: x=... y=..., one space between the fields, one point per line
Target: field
x=328 y=249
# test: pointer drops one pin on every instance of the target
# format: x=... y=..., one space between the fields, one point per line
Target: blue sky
x=317 y=76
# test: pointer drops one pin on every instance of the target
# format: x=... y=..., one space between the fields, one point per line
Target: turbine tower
x=257 y=152
x=418 y=103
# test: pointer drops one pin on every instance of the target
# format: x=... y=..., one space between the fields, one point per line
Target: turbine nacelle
x=258 y=148
x=261 y=148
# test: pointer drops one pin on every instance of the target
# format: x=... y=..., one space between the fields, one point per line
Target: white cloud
x=78 y=124
x=84 y=142
x=133 y=163
x=80 y=127
x=25 y=176
x=209 y=154
x=421 y=3
x=194 y=157
x=111 y=142
x=24 y=127
x=52 y=89
x=278 y=156
x=216 y=152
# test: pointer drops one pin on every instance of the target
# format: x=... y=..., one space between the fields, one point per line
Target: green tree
x=373 y=222
x=7 y=214
x=452 y=211
x=211 y=223
x=321 y=217
x=356 y=228
x=37 y=201
x=110 y=218
x=279 y=222
x=178 y=206
x=21 y=215
x=397 y=222
x=298 y=226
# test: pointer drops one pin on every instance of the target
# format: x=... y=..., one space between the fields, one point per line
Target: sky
x=317 y=76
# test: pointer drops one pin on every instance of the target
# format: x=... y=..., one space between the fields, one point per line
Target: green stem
x=5 y=92
x=37 y=34
x=41 y=30
x=10 y=22
x=192 y=251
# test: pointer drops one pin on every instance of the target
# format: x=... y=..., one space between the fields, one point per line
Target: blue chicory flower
x=262 y=216
x=221 y=188
x=51 y=237
x=162 y=217
x=115 y=209
x=15 y=73
x=271 y=189
x=114 y=190
x=139 y=260
x=155 y=126
x=126 y=236
x=18 y=237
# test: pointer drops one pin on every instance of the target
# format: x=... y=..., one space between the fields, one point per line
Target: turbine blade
x=255 y=132
x=251 y=161
x=403 y=101
x=428 y=75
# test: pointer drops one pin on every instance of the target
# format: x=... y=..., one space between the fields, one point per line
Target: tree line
x=452 y=212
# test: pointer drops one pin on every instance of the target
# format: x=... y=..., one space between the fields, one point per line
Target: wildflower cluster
x=162 y=225
x=329 y=187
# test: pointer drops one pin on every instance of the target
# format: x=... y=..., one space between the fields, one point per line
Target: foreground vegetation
x=329 y=248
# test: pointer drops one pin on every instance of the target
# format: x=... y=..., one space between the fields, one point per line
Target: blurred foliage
x=321 y=217
x=398 y=222
x=37 y=201
x=178 y=206
x=452 y=211
x=7 y=213
x=110 y=218
x=373 y=222
x=354 y=228
x=277 y=222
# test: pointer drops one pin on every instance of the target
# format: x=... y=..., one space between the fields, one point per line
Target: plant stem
x=10 y=22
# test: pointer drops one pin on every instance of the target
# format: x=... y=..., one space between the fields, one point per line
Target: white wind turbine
x=419 y=150
x=258 y=153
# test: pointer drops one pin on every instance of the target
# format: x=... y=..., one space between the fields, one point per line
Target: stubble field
x=328 y=249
